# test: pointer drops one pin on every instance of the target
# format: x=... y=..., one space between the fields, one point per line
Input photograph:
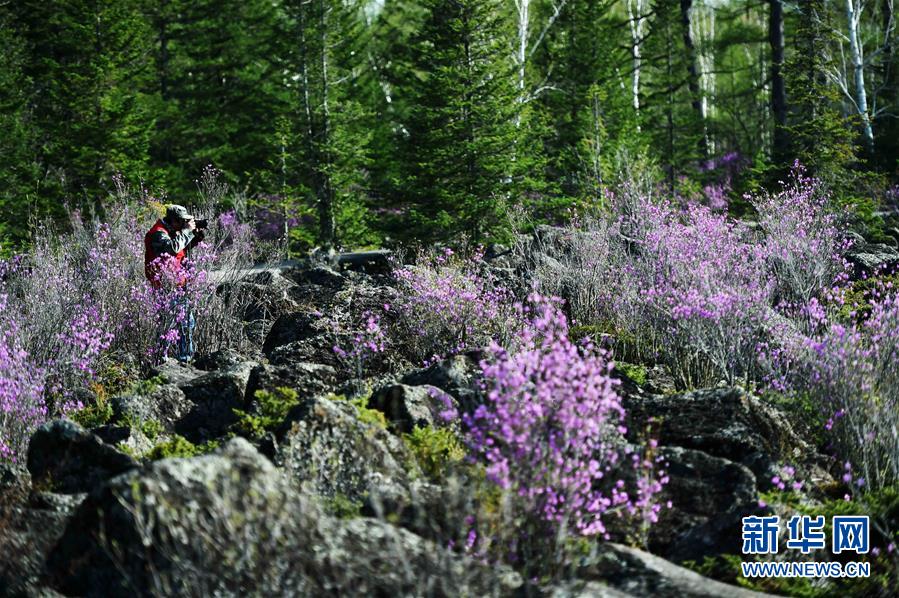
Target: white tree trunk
x=854 y=10
x=636 y=10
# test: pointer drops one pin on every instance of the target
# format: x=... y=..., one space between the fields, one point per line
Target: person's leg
x=186 y=326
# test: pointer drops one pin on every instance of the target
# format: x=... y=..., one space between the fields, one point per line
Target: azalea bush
x=78 y=303
x=804 y=238
x=448 y=303
x=551 y=435
x=686 y=285
x=850 y=369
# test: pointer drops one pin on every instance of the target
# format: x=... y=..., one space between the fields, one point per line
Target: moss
x=178 y=446
x=635 y=372
x=364 y=413
x=272 y=408
x=435 y=450
x=93 y=416
x=148 y=386
x=342 y=507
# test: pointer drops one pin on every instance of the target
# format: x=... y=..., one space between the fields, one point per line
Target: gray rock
x=709 y=497
x=165 y=404
x=228 y=523
x=723 y=422
x=214 y=397
x=330 y=452
x=293 y=327
x=66 y=458
x=175 y=372
x=30 y=529
x=131 y=437
x=457 y=376
x=639 y=573
x=217 y=361
x=319 y=275
x=406 y=407
x=584 y=589
x=15 y=483
x=260 y=296
x=871 y=258
x=308 y=379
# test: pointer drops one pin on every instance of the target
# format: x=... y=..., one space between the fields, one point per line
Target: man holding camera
x=172 y=236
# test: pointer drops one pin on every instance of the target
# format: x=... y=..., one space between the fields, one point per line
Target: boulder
x=175 y=518
x=66 y=458
x=174 y=372
x=709 y=497
x=871 y=258
x=165 y=404
x=29 y=528
x=406 y=407
x=131 y=436
x=328 y=450
x=579 y=588
x=293 y=327
x=217 y=361
x=228 y=523
x=308 y=379
x=457 y=375
x=321 y=276
x=723 y=422
x=214 y=397
x=640 y=573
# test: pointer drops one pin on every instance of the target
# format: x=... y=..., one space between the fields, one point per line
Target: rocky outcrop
x=229 y=523
x=723 y=422
x=406 y=407
x=263 y=296
x=66 y=458
x=308 y=379
x=457 y=375
x=709 y=497
x=165 y=404
x=871 y=258
x=328 y=450
x=640 y=573
x=214 y=396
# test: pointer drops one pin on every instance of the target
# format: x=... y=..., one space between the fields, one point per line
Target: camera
x=202 y=223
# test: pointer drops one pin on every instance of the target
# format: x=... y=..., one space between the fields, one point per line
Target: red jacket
x=151 y=253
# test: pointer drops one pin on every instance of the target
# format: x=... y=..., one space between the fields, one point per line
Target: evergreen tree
x=820 y=134
x=219 y=87
x=589 y=119
x=463 y=152
x=331 y=128
x=19 y=170
x=86 y=62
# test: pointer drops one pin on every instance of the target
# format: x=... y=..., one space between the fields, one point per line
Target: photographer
x=172 y=236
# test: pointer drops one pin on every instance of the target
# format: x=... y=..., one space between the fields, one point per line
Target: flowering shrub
x=370 y=340
x=448 y=303
x=22 y=407
x=551 y=433
x=690 y=287
x=804 y=239
x=851 y=372
x=82 y=303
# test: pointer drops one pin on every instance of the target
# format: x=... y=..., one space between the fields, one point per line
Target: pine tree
x=19 y=170
x=89 y=76
x=821 y=135
x=589 y=118
x=219 y=86
x=331 y=127
x=463 y=152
